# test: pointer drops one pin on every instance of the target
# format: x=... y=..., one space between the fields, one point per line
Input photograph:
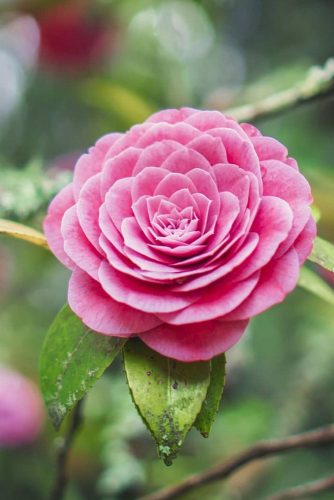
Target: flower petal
x=99 y=312
x=155 y=155
x=146 y=182
x=52 y=224
x=77 y=246
x=88 y=206
x=184 y=160
x=210 y=147
x=272 y=223
x=179 y=132
x=240 y=151
x=288 y=184
x=268 y=148
x=171 y=115
x=147 y=297
x=119 y=167
x=118 y=201
x=199 y=342
x=304 y=243
x=218 y=300
x=91 y=163
x=277 y=279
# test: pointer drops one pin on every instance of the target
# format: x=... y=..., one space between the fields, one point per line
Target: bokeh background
x=72 y=71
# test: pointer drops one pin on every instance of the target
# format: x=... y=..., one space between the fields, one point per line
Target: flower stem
x=61 y=478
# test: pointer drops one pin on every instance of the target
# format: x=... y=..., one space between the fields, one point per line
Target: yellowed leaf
x=22 y=232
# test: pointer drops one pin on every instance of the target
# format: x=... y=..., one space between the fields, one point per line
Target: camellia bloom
x=180 y=230
x=21 y=409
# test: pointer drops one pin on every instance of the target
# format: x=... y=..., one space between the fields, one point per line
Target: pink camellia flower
x=180 y=230
x=21 y=410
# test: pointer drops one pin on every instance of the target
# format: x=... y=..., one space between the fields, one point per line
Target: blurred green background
x=72 y=71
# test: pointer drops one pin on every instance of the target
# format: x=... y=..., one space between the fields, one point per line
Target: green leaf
x=168 y=394
x=73 y=358
x=323 y=254
x=10 y=228
x=211 y=403
x=313 y=283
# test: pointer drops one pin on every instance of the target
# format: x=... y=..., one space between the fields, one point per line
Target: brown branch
x=61 y=478
x=318 y=437
x=319 y=83
x=306 y=490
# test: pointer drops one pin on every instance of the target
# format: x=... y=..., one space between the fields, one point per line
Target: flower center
x=177 y=223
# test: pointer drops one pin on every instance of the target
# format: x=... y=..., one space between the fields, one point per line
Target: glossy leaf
x=211 y=403
x=22 y=232
x=323 y=254
x=168 y=394
x=73 y=358
x=313 y=283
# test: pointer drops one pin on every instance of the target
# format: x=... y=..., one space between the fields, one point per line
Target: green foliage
x=24 y=192
x=130 y=107
x=313 y=283
x=323 y=254
x=73 y=358
x=211 y=403
x=167 y=394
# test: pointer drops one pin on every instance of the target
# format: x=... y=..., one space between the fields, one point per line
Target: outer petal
x=180 y=132
x=218 y=300
x=155 y=155
x=103 y=314
x=272 y=223
x=88 y=207
x=119 y=167
x=118 y=201
x=304 y=243
x=146 y=297
x=207 y=120
x=287 y=183
x=171 y=115
x=277 y=279
x=127 y=140
x=239 y=151
x=91 y=163
x=268 y=148
x=77 y=246
x=198 y=342
x=52 y=224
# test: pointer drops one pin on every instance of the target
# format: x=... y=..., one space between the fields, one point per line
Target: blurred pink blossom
x=21 y=409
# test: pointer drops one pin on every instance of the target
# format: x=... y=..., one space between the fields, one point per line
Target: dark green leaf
x=73 y=358
x=168 y=394
x=313 y=283
x=211 y=403
x=323 y=254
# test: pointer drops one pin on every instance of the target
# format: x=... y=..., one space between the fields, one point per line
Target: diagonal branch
x=305 y=490
x=319 y=83
x=319 y=437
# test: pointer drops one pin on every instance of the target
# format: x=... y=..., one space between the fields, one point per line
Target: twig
x=61 y=478
x=319 y=83
x=306 y=490
x=318 y=437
